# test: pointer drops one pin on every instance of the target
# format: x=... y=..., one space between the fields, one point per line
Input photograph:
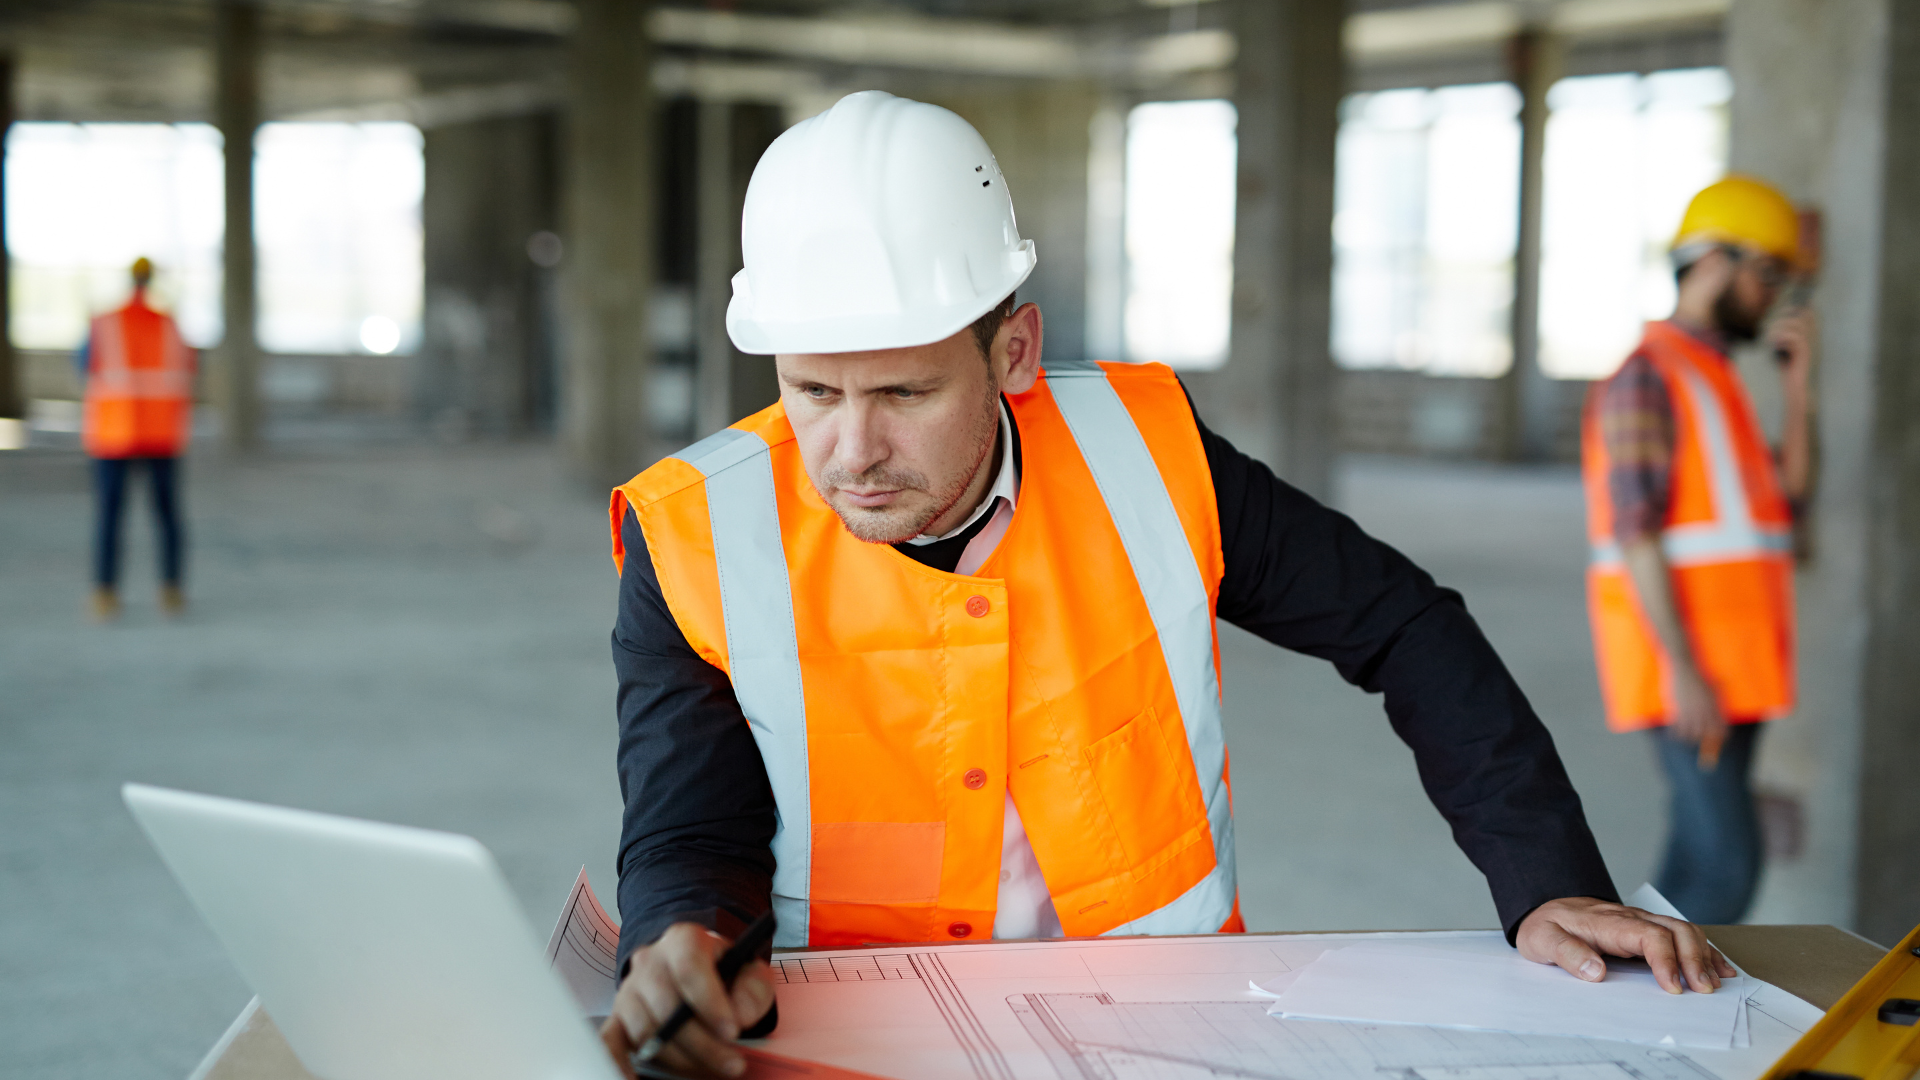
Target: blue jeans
x=1714 y=851
x=110 y=488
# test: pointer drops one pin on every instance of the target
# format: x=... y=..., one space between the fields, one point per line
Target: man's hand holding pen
x=683 y=967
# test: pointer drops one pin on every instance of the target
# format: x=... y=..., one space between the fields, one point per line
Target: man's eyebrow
x=932 y=382
x=912 y=386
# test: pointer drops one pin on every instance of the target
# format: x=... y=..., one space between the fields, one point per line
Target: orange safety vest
x=1727 y=538
x=139 y=398
x=894 y=704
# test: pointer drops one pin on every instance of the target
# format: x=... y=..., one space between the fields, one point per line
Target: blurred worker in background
x=926 y=650
x=138 y=411
x=1690 y=517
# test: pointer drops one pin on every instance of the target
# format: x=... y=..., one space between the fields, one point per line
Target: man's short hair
x=987 y=327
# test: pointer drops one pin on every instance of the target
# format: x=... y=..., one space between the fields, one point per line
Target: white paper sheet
x=1496 y=990
x=1146 y=1009
x=1648 y=898
x=584 y=947
x=1159 y=1009
x=1765 y=997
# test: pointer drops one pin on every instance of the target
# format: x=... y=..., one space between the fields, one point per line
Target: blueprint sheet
x=582 y=948
x=1178 y=1009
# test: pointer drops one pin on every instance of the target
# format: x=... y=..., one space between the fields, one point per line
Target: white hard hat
x=881 y=223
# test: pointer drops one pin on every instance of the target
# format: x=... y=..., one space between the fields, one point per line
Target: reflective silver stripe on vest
x=1169 y=578
x=1703 y=543
x=108 y=347
x=1732 y=535
x=112 y=371
x=763 y=651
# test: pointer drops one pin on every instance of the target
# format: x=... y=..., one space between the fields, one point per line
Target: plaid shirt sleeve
x=1636 y=424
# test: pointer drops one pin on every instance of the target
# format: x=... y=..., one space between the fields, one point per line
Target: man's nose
x=861 y=444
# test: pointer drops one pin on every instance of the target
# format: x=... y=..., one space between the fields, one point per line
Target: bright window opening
x=85 y=200
x=336 y=220
x=1180 y=162
x=1426 y=208
x=1624 y=155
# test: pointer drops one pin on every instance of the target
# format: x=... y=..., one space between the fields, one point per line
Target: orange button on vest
x=1076 y=671
x=1727 y=539
x=139 y=398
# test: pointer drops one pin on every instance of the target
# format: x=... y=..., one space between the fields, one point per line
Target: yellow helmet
x=1743 y=210
x=143 y=268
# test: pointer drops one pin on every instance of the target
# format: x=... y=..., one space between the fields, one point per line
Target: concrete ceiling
x=436 y=60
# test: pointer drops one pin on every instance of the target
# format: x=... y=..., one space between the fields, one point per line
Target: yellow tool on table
x=1870 y=1034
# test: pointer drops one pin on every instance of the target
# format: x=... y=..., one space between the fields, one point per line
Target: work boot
x=173 y=601
x=105 y=606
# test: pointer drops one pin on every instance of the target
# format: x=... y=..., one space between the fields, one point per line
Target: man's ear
x=1016 y=350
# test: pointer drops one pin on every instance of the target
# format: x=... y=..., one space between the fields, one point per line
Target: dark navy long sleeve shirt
x=699 y=820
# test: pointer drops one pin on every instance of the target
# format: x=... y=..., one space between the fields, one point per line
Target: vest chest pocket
x=1149 y=789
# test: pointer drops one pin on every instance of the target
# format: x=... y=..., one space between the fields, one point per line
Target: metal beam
x=961 y=46
x=1443 y=28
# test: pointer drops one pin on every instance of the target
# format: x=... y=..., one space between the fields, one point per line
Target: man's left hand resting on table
x=1580 y=932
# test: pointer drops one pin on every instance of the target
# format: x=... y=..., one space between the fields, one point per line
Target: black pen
x=731 y=961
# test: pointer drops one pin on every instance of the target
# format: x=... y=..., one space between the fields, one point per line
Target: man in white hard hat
x=926 y=650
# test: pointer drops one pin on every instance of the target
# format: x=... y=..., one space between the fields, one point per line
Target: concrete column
x=754 y=386
x=12 y=401
x=1825 y=106
x=717 y=240
x=1887 y=904
x=237 y=112
x=608 y=213
x=489 y=191
x=1105 y=335
x=1527 y=398
x=1275 y=399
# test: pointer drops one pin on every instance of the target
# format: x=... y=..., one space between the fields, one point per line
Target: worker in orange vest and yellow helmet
x=926 y=649
x=137 y=412
x=1690 y=519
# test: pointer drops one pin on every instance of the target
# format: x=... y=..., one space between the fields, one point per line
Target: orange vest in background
x=1728 y=539
x=895 y=705
x=139 y=399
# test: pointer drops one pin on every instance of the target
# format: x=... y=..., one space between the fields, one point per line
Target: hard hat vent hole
x=984 y=183
x=978 y=168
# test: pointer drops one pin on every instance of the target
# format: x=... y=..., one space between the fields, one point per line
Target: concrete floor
x=418 y=634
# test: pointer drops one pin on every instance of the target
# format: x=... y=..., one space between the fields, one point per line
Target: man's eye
x=817 y=392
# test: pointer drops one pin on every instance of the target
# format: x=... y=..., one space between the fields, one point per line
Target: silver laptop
x=381 y=952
